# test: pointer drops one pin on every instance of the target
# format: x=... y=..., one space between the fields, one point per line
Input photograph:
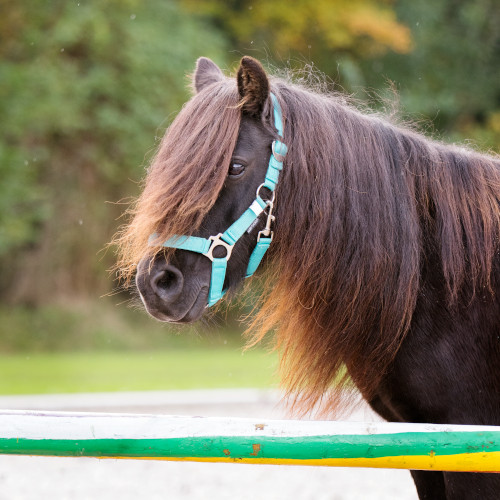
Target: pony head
x=205 y=176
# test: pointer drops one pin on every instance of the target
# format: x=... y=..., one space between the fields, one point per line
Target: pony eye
x=236 y=169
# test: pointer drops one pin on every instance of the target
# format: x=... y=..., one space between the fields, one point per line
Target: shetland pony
x=384 y=269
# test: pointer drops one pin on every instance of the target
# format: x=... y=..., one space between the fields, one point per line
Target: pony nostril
x=166 y=279
x=167 y=283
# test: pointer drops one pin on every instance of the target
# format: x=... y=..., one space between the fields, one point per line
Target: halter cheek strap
x=227 y=239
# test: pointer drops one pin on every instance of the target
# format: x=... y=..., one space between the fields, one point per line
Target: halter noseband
x=228 y=238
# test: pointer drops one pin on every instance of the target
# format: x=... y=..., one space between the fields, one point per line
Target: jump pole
x=252 y=441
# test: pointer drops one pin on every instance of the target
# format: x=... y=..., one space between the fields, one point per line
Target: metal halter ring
x=259 y=196
x=216 y=242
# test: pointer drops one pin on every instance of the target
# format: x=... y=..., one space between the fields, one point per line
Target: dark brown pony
x=385 y=262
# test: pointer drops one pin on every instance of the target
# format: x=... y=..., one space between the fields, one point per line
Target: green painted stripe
x=299 y=448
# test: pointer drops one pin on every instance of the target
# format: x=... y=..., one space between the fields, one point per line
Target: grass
x=99 y=326
x=96 y=346
x=42 y=373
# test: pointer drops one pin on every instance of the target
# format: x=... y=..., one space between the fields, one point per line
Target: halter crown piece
x=228 y=238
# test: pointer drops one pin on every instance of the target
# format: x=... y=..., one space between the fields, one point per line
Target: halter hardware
x=227 y=239
x=267 y=231
x=217 y=241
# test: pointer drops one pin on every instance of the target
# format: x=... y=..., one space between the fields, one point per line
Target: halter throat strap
x=227 y=239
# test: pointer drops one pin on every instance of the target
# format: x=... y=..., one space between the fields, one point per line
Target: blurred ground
x=27 y=478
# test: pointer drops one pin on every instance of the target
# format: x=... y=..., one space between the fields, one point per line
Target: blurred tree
x=452 y=75
x=316 y=29
x=442 y=55
x=85 y=86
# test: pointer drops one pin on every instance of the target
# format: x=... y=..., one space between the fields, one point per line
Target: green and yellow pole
x=287 y=442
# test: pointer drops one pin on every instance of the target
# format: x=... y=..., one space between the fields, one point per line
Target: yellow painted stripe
x=463 y=462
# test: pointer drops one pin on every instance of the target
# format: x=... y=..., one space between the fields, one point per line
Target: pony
x=384 y=268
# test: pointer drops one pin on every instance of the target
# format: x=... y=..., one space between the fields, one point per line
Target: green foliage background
x=88 y=87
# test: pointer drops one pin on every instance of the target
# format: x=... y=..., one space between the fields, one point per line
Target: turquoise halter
x=228 y=238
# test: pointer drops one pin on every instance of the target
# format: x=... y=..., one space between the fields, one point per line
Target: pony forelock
x=185 y=176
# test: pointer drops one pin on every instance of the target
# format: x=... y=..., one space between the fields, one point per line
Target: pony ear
x=253 y=86
x=206 y=73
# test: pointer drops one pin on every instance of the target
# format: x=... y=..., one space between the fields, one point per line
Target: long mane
x=362 y=204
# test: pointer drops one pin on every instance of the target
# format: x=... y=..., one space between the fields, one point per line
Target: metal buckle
x=217 y=241
x=267 y=231
x=279 y=157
